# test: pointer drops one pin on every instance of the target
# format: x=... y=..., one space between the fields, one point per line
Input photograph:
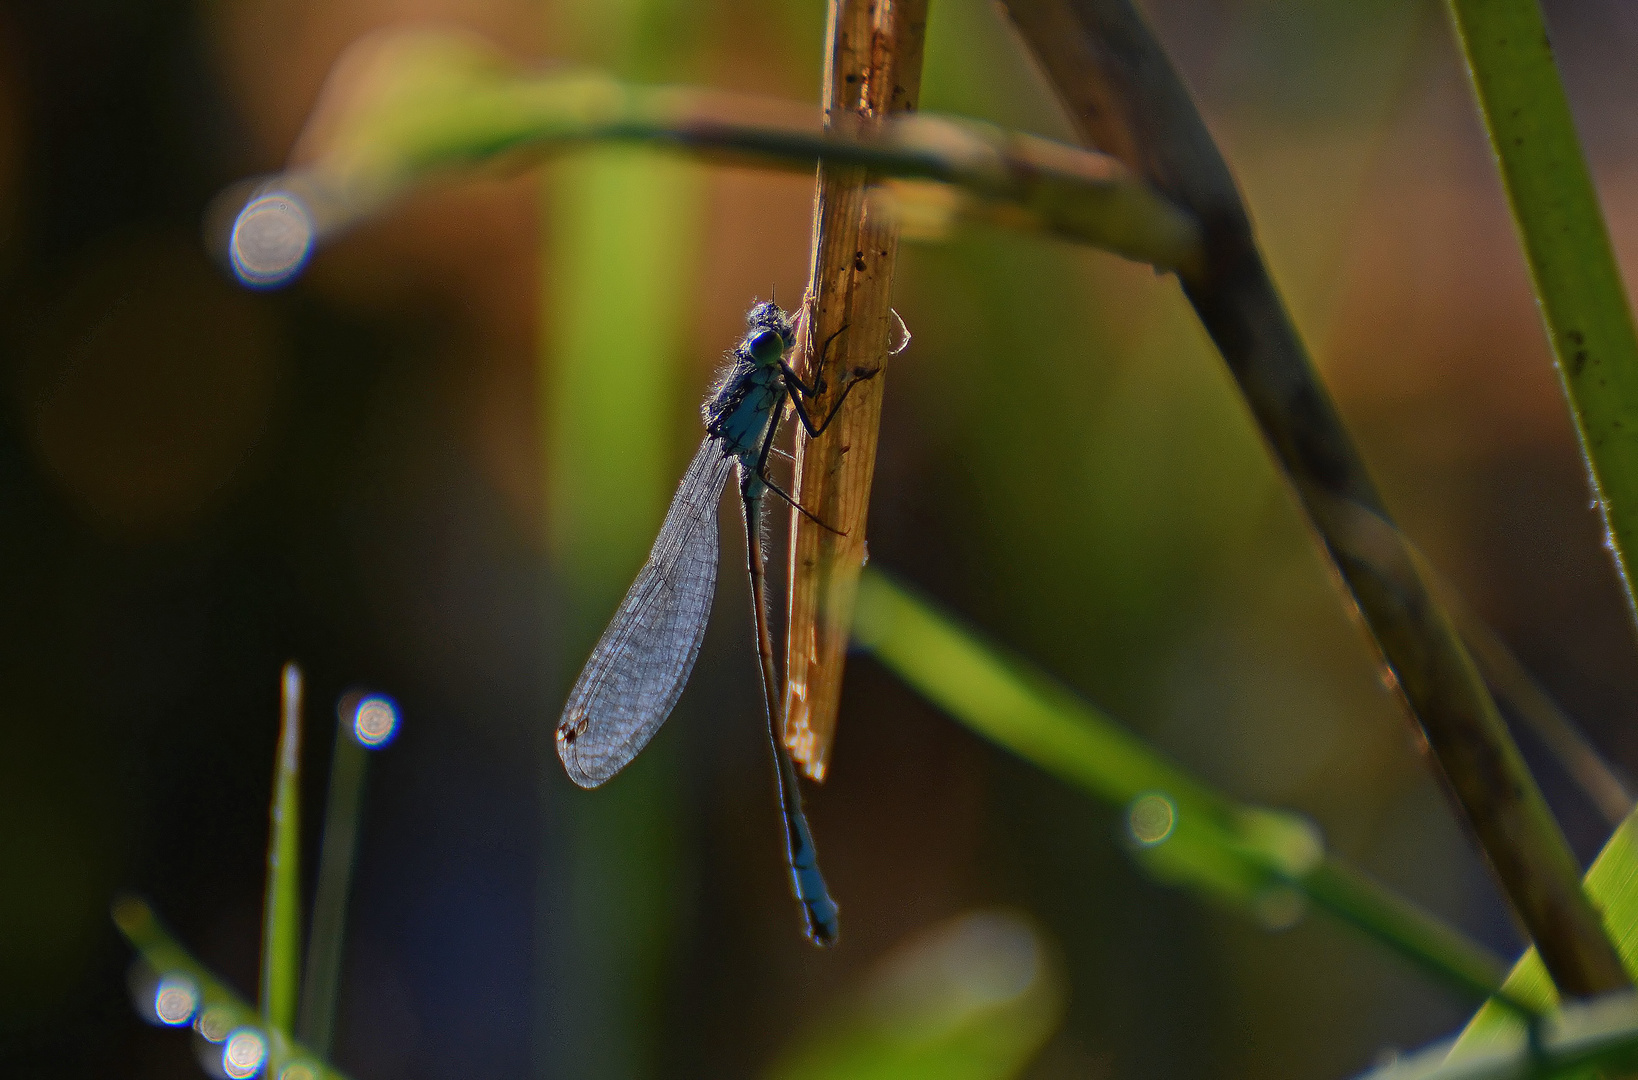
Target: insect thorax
x=739 y=411
x=750 y=388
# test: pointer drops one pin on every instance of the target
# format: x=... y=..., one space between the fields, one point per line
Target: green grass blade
x=1585 y=1040
x=1182 y=831
x=1612 y=883
x=357 y=718
x=348 y=766
x=281 y=913
x=1566 y=244
x=974 y=999
x=215 y=1011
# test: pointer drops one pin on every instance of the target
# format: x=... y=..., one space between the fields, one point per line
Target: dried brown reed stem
x=872 y=69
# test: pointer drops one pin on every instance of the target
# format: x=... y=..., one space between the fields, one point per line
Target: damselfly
x=637 y=671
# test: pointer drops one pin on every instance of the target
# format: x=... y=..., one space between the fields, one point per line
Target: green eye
x=766 y=347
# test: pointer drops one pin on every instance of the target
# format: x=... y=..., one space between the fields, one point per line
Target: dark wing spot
x=570 y=730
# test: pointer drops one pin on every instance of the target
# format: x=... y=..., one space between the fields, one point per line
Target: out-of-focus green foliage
x=620 y=227
x=973 y=999
x=1267 y=860
x=621 y=224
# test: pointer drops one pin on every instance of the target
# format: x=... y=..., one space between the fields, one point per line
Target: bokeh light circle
x=375 y=721
x=244 y=1053
x=1151 y=818
x=214 y=1024
x=272 y=238
x=175 y=999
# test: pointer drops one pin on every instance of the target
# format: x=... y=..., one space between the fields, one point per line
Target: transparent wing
x=640 y=664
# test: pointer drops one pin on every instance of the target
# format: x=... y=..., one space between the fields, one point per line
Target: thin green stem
x=281 y=929
x=1235 y=852
x=1514 y=686
x=435 y=107
x=349 y=765
x=1389 y=919
x=1567 y=245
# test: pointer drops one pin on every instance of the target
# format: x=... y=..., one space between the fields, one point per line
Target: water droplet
x=375 y=721
x=175 y=1000
x=902 y=337
x=1151 y=818
x=214 y=1023
x=272 y=238
x=244 y=1053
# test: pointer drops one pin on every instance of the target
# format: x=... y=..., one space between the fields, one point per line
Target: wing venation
x=641 y=663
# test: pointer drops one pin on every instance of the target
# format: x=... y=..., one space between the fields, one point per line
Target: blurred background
x=394 y=472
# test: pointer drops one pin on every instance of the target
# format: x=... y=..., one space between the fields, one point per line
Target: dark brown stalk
x=872 y=69
x=1124 y=97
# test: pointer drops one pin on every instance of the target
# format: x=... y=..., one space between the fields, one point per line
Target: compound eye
x=765 y=347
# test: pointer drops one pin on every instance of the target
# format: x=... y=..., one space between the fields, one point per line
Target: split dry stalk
x=873 y=69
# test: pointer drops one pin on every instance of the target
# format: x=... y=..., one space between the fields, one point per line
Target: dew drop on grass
x=272 y=238
x=175 y=1000
x=1151 y=818
x=244 y=1053
x=169 y=1000
x=214 y=1024
x=375 y=721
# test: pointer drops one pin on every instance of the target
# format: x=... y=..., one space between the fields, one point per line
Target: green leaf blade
x=1566 y=243
x=281 y=927
x=1612 y=884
